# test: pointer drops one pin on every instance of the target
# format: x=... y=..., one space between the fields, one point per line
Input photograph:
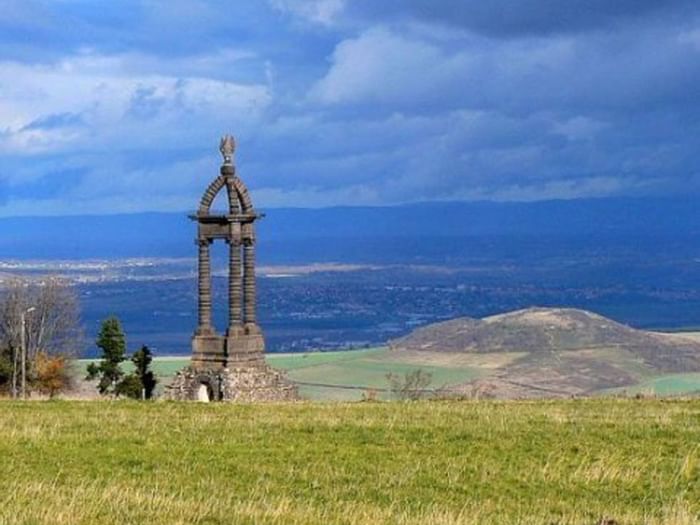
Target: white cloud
x=105 y=92
x=579 y=128
x=378 y=65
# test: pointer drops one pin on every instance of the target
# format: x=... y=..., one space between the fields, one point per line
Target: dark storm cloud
x=55 y=120
x=525 y=17
x=118 y=106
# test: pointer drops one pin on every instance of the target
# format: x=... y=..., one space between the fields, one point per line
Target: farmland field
x=348 y=375
x=554 y=462
x=327 y=375
x=668 y=385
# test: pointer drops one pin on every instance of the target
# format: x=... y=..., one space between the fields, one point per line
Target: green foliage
x=5 y=370
x=444 y=462
x=129 y=387
x=112 y=341
x=140 y=383
x=142 y=360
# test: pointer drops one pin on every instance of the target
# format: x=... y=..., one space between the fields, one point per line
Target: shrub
x=52 y=374
x=411 y=386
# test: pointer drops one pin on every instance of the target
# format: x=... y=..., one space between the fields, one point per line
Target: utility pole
x=23 y=349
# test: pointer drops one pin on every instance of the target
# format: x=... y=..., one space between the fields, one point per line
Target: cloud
x=359 y=63
x=518 y=18
x=55 y=120
x=323 y=12
x=120 y=107
x=98 y=101
x=612 y=71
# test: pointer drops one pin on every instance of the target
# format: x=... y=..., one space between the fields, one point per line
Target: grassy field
x=360 y=369
x=564 y=462
x=668 y=385
x=347 y=375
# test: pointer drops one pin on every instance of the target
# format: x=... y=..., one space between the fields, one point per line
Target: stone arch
x=212 y=385
x=243 y=195
x=236 y=228
x=238 y=196
x=210 y=194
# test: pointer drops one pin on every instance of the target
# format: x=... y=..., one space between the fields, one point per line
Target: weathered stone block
x=208 y=351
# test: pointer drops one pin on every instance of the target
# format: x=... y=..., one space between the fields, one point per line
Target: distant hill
x=422 y=232
x=555 y=352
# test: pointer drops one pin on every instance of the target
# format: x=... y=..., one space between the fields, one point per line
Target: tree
x=130 y=386
x=141 y=382
x=142 y=360
x=52 y=374
x=5 y=371
x=112 y=341
x=51 y=326
x=411 y=386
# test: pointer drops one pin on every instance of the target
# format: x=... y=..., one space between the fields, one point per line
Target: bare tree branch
x=52 y=327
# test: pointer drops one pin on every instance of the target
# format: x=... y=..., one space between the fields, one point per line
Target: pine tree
x=142 y=362
x=112 y=341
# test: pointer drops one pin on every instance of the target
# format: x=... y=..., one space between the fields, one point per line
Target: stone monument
x=229 y=366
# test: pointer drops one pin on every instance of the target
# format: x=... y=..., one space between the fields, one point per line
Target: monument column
x=235 y=295
x=249 y=281
x=204 y=325
x=230 y=366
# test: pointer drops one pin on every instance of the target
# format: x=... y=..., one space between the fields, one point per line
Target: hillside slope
x=562 y=352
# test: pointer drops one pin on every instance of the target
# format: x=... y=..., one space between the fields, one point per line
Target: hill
x=555 y=352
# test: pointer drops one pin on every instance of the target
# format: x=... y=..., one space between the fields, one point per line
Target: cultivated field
x=348 y=375
x=546 y=462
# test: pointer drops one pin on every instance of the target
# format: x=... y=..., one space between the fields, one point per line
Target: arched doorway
x=204 y=393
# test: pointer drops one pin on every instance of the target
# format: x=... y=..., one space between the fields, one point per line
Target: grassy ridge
x=564 y=462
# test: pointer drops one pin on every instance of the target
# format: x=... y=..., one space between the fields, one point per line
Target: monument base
x=208 y=352
x=246 y=350
x=235 y=350
x=244 y=384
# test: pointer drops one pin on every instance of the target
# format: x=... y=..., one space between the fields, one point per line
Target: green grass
x=312 y=359
x=164 y=367
x=362 y=369
x=559 y=462
x=367 y=369
x=668 y=385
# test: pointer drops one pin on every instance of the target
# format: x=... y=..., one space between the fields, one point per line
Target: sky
x=114 y=107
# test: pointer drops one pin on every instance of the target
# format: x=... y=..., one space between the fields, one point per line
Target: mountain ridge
x=407 y=229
